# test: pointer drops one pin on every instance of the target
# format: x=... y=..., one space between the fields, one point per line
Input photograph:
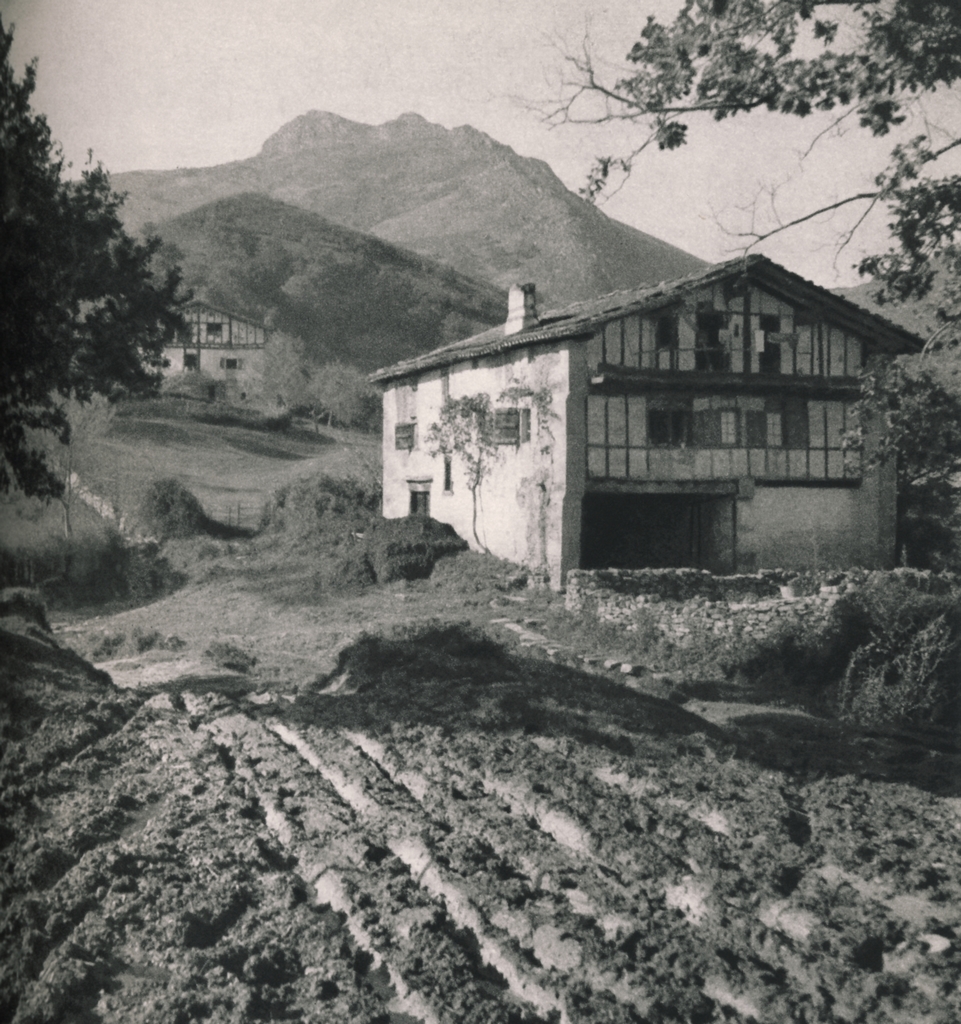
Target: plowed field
x=447 y=831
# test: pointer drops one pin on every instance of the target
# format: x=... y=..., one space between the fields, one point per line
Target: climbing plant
x=465 y=430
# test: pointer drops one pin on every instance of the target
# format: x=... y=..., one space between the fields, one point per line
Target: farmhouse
x=226 y=347
x=694 y=423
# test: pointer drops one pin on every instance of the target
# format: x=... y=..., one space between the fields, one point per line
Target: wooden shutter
x=507 y=426
x=795 y=423
x=755 y=429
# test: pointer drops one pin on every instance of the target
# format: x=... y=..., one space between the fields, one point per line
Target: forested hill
x=350 y=296
x=455 y=195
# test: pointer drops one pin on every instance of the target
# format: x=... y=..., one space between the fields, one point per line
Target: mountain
x=454 y=195
x=350 y=296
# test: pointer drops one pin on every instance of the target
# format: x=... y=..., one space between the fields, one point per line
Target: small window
x=728 y=426
x=420 y=503
x=215 y=332
x=190 y=361
x=506 y=426
x=448 y=475
x=669 y=427
x=709 y=351
x=769 y=360
x=665 y=333
x=230 y=364
x=404 y=436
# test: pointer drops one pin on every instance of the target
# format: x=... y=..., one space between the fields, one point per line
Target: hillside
x=456 y=195
x=349 y=295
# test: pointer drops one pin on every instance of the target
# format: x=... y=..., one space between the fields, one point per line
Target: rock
x=556 y=949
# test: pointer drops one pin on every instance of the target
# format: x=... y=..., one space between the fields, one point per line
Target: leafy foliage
x=80 y=310
x=921 y=437
x=169 y=509
x=861 y=60
x=465 y=429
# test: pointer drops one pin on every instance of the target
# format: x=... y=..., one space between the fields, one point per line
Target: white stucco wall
x=247 y=379
x=810 y=528
x=521 y=503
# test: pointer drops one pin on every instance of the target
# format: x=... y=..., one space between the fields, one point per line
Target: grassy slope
x=223 y=465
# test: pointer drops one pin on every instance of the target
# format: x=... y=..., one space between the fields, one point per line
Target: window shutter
x=755 y=427
x=795 y=423
x=506 y=426
x=707 y=424
x=404 y=436
x=525 y=425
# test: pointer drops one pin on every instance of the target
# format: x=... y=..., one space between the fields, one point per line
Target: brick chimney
x=521 y=309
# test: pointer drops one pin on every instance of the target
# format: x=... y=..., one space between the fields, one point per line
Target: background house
x=225 y=347
x=695 y=423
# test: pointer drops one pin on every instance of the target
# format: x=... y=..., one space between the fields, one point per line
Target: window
x=714 y=428
x=215 y=332
x=230 y=364
x=709 y=351
x=507 y=426
x=764 y=429
x=404 y=436
x=665 y=333
x=448 y=476
x=769 y=359
x=191 y=362
x=669 y=427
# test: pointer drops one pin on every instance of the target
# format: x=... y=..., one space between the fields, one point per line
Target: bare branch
x=758 y=238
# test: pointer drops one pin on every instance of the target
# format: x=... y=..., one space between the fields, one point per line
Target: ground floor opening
x=655 y=531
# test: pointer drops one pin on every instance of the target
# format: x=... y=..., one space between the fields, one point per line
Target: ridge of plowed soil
x=434 y=824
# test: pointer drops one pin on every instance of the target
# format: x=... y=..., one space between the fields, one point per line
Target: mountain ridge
x=454 y=195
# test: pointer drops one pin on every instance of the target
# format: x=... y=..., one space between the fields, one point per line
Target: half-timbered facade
x=226 y=347
x=696 y=423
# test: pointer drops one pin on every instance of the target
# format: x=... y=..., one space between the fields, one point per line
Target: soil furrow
x=390 y=914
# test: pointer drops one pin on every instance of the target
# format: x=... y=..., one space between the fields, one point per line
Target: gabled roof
x=580 y=319
x=200 y=303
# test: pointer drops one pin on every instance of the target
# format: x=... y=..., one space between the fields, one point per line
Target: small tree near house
x=465 y=430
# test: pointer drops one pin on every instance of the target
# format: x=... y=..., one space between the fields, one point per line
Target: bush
x=889 y=653
x=320 y=506
x=24 y=604
x=168 y=509
x=907 y=662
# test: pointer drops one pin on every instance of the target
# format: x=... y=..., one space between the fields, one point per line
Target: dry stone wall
x=683 y=603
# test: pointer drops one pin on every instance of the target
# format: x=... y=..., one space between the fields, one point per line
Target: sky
x=155 y=84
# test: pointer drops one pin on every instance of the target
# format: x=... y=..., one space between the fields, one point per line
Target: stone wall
x=684 y=603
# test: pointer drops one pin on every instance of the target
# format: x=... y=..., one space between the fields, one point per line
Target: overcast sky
x=151 y=84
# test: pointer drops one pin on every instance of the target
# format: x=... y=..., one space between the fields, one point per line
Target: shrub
x=168 y=509
x=320 y=506
x=25 y=604
x=907 y=662
x=889 y=653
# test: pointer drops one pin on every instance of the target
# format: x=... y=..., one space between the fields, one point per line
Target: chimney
x=521 y=309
